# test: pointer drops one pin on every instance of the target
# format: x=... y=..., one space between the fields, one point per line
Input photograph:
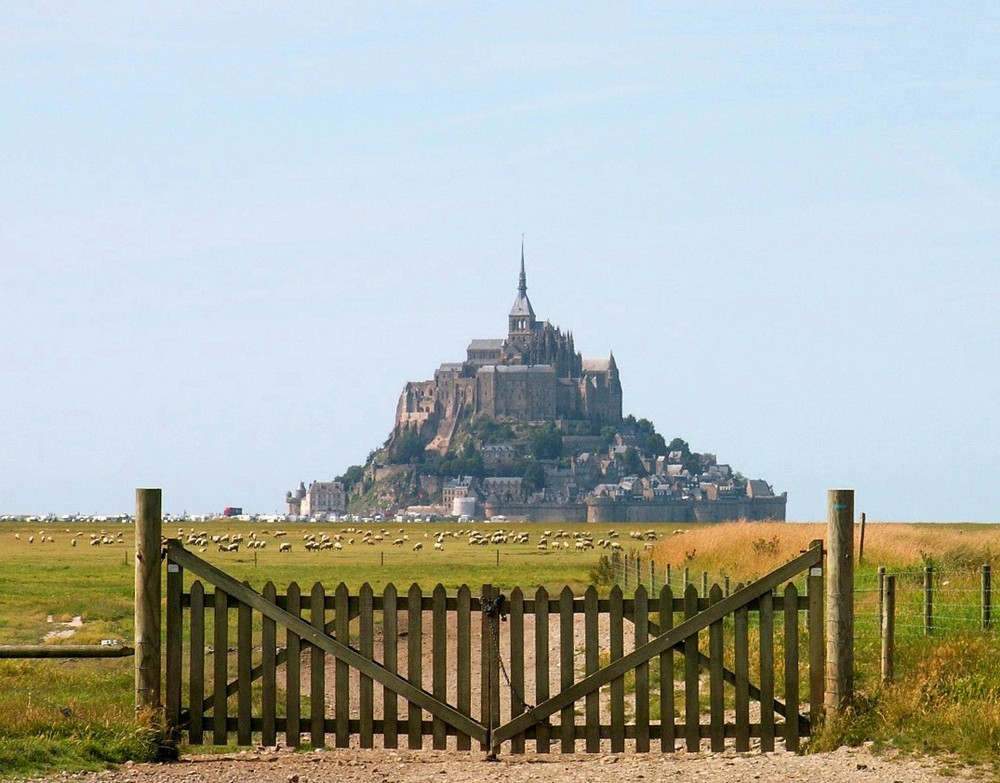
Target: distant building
x=321 y=498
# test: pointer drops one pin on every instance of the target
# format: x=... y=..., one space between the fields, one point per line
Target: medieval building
x=534 y=374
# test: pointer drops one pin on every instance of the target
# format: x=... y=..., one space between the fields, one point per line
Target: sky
x=231 y=232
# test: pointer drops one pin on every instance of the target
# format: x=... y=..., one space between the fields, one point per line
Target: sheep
x=439 y=546
x=418 y=546
x=285 y=546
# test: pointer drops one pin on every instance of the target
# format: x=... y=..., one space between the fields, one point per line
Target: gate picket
x=414 y=662
x=293 y=698
x=317 y=670
x=342 y=672
x=668 y=741
x=464 y=653
x=390 y=701
x=269 y=697
x=542 y=729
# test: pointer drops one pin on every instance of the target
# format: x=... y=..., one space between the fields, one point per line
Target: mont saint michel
x=525 y=427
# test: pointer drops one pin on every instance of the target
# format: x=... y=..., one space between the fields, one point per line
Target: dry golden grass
x=746 y=550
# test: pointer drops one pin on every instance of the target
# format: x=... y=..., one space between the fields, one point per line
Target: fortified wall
x=609 y=511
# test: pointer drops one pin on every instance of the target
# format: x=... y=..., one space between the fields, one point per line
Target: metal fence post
x=887 y=624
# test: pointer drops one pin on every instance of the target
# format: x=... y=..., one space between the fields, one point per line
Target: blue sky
x=232 y=233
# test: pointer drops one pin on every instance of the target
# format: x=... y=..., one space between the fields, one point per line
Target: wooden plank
x=463 y=644
x=666 y=618
x=174 y=649
x=13 y=651
x=592 y=662
x=220 y=673
x=657 y=645
x=378 y=672
x=366 y=646
x=791 y=669
x=567 y=727
x=516 y=631
x=692 y=708
x=817 y=641
x=269 y=685
x=642 y=670
x=317 y=670
x=617 y=684
x=342 y=670
x=439 y=658
x=542 y=729
x=244 y=663
x=766 y=625
x=390 y=652
x=293 y=670
x=414 y=662
x=716 y=684
x=196 y=683
x=741 y=664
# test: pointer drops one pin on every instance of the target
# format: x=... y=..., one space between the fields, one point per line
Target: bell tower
x=521 y=321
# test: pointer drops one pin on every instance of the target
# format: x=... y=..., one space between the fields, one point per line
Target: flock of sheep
x=319 y=541
x=96 y=539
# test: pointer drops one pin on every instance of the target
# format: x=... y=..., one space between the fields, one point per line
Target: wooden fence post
x=840 y=600
x=888 y=626
x=148 y=533
x=881 y=596
x=928 y=600
x=987 y=602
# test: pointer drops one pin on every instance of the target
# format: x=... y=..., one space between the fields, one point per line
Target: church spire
x=522 y=283
x=521 y=321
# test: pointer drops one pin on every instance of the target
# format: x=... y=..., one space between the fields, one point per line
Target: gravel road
x=847 y=765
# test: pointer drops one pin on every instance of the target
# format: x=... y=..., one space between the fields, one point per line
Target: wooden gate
x=343 y=662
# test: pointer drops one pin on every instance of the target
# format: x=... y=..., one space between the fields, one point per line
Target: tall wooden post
x=148 y=534
x=840 y=600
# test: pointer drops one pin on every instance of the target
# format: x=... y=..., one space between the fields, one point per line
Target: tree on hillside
x=534 y=476
x=633 y=465
x=546 y=442
x=409 y=447
x=689 y=461
x=656 y=445
x=352 y=476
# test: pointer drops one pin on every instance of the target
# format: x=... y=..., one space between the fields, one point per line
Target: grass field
x=68 y=714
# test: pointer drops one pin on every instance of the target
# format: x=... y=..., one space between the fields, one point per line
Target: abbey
x=534 y=374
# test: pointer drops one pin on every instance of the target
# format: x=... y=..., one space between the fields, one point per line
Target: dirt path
x=847 y=765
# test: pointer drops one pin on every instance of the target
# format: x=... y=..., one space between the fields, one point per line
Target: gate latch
x=495 y=607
